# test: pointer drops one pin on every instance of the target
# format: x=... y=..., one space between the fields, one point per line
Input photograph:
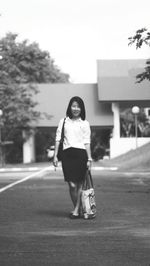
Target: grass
x=138 y=159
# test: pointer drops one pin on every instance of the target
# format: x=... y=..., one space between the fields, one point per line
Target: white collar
x=74 y=120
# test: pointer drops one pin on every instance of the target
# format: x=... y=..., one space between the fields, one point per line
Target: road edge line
x=23 y=179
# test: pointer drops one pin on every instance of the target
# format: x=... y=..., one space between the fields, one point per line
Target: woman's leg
x=73 y=192
x=78 y=201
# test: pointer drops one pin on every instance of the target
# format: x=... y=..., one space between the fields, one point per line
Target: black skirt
x=74 y=164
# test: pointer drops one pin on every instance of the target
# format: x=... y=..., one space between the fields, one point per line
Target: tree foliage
x=128 y=123
x=22 y=66
x=142 y=36
x=22 y=62
x=17 y=105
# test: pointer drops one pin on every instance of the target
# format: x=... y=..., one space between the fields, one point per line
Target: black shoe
x=73 y=216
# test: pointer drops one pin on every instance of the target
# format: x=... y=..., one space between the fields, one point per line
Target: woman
x=76 y=150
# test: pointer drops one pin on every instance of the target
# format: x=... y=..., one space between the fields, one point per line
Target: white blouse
x=77 y=133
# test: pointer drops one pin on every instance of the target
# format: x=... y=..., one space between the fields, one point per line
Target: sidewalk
x=38 y=166
x=24 y=167
x=96 y=166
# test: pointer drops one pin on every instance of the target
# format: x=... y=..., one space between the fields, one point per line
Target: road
x=35 y=228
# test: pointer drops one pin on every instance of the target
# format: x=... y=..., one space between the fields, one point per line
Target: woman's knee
x=72 y=185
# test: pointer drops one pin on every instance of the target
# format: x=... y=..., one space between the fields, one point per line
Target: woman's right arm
x=57 y=142
x=55 y=160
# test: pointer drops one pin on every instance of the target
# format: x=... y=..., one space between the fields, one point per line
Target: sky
x=77 y=33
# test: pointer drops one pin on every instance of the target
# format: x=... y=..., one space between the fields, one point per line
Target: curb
x=51 y=168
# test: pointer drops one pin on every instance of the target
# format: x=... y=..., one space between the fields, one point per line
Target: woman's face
x=75 y=110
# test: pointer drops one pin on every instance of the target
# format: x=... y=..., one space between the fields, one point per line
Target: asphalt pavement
x=35 y=228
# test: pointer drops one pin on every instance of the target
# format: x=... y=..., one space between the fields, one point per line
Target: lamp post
x=1 y=154
x=135 y=111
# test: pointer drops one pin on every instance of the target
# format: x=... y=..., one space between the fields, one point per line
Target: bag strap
x=88 y=181
x=62 y=131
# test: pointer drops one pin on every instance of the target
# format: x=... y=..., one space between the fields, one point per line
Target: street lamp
x=135 y=111
x=1 y=159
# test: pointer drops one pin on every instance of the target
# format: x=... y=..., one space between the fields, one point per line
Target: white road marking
x=51 y=167
x=105 y=168
x=23 y=179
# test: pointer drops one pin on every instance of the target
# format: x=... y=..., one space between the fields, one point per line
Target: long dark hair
x=81 y=105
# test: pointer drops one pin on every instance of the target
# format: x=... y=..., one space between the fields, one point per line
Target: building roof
x=53 y=100
x=117 y=81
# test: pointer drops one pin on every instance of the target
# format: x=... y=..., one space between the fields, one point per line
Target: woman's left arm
x=87 y=142
x=88 y=150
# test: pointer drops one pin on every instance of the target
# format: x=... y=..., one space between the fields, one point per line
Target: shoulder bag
x=88 y=197
x=60 y=150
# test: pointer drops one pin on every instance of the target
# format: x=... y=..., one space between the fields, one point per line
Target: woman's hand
x=89 y=164
x=55 y=161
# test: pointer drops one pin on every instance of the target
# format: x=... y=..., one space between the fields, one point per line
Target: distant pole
x=135 y=111
x=136 y=131
x=1 y=153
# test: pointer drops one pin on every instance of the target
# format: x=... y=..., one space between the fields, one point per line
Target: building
x=116 y=88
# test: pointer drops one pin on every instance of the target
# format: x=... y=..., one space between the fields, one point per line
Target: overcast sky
x=78 y=32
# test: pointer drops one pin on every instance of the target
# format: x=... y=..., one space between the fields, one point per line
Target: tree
x=22 y=66
x=22 y=62
x=128 y=123
x=142 y=36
